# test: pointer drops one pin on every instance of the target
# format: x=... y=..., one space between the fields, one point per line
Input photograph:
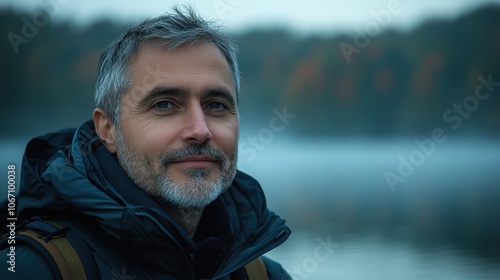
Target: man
x=150 y=185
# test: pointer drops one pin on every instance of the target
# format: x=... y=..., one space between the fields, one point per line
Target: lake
x=441 y=222
x=437 y=220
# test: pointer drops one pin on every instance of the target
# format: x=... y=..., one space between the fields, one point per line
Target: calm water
x=440 y=223
x=373 y=256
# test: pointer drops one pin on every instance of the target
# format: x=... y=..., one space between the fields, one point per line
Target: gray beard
x=153 y=179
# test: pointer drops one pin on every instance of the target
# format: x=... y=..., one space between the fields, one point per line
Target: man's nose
x=196 y=128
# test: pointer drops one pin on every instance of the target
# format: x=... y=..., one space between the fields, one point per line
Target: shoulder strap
x=256 y=270
x=52 y=236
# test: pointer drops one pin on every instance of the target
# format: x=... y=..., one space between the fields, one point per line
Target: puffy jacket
x=70 y=175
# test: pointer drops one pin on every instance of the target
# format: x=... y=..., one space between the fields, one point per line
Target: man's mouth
x=198 y=161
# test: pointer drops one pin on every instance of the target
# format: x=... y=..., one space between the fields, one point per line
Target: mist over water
x=440 y=223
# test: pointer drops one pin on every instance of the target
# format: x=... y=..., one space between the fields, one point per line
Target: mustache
x=193 y=150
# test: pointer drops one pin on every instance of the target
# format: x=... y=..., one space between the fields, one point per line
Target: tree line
x=443 y=73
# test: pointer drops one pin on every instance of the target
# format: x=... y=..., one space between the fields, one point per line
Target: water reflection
x=375 y=256
x=440 y=223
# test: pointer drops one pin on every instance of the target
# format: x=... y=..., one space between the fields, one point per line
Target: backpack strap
x=51 y=236
x=256 y=270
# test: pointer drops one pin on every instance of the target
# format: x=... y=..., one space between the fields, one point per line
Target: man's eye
x=217 y=106
x=163 y=105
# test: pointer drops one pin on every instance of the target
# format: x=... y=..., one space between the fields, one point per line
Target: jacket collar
x=73 y=170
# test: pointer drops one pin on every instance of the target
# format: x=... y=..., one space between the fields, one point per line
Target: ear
x=105 y=129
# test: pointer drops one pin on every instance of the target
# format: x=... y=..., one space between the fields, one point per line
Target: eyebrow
x=162 y=91
x=220 y=92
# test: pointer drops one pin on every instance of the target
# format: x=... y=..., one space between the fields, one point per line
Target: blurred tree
x=400 y=84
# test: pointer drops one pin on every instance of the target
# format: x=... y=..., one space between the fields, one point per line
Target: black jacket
x=70 y=175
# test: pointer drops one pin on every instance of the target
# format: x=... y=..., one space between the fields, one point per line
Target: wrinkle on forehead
x=154 y=61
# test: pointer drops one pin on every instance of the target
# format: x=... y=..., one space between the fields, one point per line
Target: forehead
x=154 y=60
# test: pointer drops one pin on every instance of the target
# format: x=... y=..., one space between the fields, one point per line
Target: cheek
x=226 y=137
x=149 y=139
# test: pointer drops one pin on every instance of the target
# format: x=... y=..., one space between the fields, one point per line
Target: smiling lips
x=201 y=161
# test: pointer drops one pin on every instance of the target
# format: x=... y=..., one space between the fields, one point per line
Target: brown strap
x=256 y=270
x=63 y=253
x=52 y=249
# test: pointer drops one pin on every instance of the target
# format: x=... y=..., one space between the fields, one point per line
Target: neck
x=189 y=218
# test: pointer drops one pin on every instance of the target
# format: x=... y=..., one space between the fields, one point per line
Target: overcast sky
x=321 y=17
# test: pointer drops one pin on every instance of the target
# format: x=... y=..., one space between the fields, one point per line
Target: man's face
x=178 y=132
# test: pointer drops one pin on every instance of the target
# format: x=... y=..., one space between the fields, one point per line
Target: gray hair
x=174 y=29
